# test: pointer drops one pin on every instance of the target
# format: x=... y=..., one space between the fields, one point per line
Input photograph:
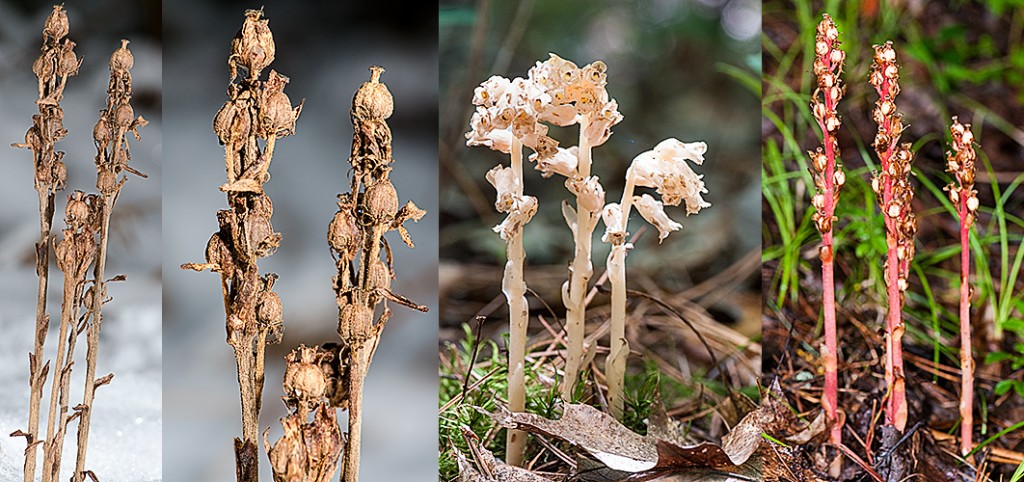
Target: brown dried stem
x=256 y=110
x=895 y=194
x=356 y=237
x=110 y=134
x=56 y=63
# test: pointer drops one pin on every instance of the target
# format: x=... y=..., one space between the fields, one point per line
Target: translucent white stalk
x=513 y=284
x=574 y=291
x=615 y=364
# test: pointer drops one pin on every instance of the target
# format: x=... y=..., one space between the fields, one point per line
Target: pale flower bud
x=563 y=163
x=614 y=225
x=504 y=181
x=653 y=211
x=589 y=192
x=972 y=203
x=523 y=209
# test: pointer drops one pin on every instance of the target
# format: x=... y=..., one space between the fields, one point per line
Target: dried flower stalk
x=895 y=194
x=665 y=169
x=256 y=110
x=960 y=162
x=828 y=178
x=75 y=254
x=111 y=137
x=52 y=69
x=356 y=237
x=505 y=120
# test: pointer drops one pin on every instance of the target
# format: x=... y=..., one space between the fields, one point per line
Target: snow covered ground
x=126 y=436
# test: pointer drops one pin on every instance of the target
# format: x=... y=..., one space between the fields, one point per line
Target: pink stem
x=966 y=359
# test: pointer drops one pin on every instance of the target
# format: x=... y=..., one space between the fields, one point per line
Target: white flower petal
x=654 y=212
x=675 y=149
x=614 y=227
x=564 y=162
x=589 y=192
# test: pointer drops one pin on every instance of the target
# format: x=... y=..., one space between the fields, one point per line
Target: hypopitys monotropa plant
x=256 y=110
x=363 y=256
x=828 y=179
x=572 y=95
x=665 y=169
x=55 y=64
x=895 y=193
x=960 y=162
x=506 y=119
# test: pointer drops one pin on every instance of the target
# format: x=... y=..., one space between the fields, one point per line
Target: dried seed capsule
x=270 y=311
x=304 y=381
x=68 y=64
x=122 y=59
x=42 y=67
x=56 y=25
x=101 y=134
x=381 y=200
x=354 y=321
x=343 y=234
x=106 y=181
x=59 y=175
x=76 y=212
x=259 y=234
x=276 y=114
x=123 y=116
x=253 y=46
x=374 y=101
x=380 y=275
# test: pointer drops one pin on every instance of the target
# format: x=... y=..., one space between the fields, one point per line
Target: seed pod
x=59 y=175
x=106 y=181
x=304 y=381
x=381 y=200
x=373 y=100
x=65 y=253
x=42 y=67
x=253 y=46
x=122 y=59
x=276 y=114
x=259 y=233
x=56 y=25
x=76 y=212
x=354 y=322
x=123 y=116
x=269 y=311
x=68 y=64
x=343 y=234
x=380 y=275
x=101 y=134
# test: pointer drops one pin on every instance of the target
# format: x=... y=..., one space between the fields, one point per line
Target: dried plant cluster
x=514 y=113
x=828 y=179
x=895 y=193
x=319 y=380
x=960 y=164
x=84 y=242
x=257 y=110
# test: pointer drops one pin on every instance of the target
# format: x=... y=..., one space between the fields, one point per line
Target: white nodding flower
x=601 y=121
x=504 y=181
x=589 y=192
x=665 y=169
x=490 y=91
x=523 y=209
x=563 y=163
x=614 y=227
x=498 y=139
x=676 y=149
x=654 y=212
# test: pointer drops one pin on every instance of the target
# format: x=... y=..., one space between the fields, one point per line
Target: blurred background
x=678 y=68
x=125 y=441
x=325 y=48
x=962 y=59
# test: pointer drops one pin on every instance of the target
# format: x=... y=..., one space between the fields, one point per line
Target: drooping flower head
x=506 y=109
